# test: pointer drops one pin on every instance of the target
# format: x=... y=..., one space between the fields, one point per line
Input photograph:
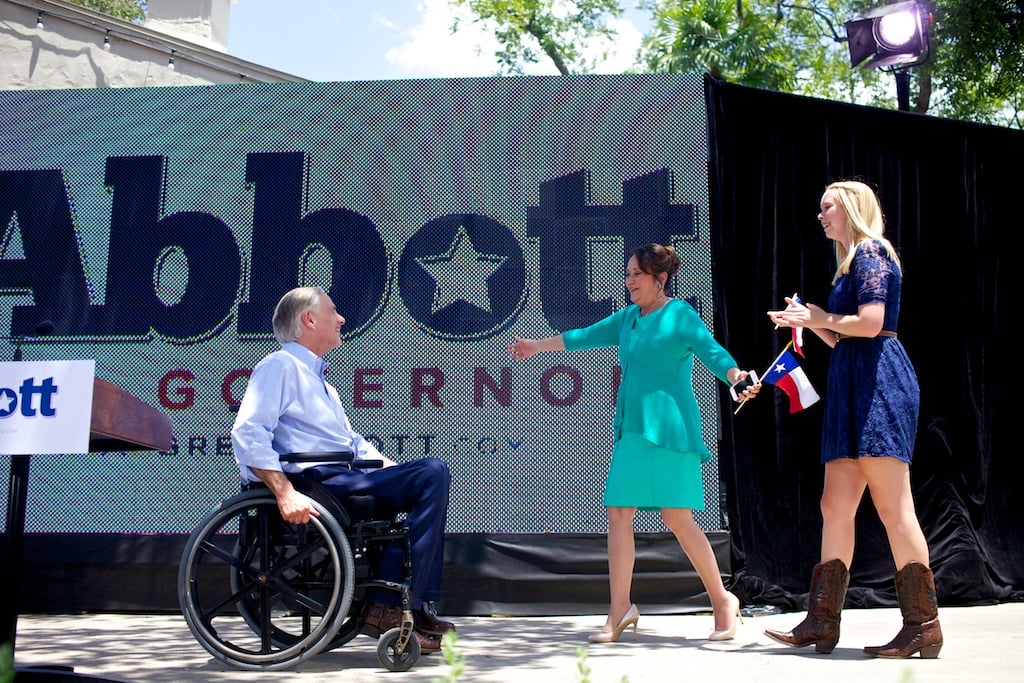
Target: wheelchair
x=262 y=594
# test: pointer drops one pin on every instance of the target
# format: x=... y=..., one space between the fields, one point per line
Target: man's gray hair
x=289 y=310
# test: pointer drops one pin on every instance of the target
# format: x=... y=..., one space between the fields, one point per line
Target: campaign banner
x=45 y=406
x=155 y=229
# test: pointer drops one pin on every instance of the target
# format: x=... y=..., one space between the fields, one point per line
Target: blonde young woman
x=869 y=427
x=658 y=444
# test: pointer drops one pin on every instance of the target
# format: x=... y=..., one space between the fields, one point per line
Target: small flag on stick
x=798 y=332
x=785 y=373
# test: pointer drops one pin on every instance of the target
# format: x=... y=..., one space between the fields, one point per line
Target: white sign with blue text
x=45 y=406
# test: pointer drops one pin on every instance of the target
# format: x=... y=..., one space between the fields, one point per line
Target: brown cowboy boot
x=915 y=591
x=376 y=619
x=428 y=622
x=829 y=582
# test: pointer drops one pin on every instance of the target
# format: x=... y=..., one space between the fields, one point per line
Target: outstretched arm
x=521 y=349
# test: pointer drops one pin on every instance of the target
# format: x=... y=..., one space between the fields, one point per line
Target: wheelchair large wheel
x=260 y=594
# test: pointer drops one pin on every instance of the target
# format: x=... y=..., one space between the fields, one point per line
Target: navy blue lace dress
x=872 y=401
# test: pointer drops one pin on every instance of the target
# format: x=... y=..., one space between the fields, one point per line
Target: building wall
x=68 y=52
x=204 y=22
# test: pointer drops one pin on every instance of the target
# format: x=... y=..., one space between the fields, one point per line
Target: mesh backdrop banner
x=154 y=230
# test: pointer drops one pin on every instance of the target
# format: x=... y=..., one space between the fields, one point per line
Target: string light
x=106 y=41
x=170 y=62
x=39 y=21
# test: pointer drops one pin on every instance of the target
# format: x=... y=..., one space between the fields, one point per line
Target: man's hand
x=294 y=507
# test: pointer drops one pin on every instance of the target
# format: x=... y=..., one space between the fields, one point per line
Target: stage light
x=39 y=21
x=893 y=35
x=895 y=31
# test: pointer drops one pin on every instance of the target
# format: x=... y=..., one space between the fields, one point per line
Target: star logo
x=461 y=273
x=7 y=401
x=462 y=276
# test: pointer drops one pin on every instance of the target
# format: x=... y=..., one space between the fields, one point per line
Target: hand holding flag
x=780 y=318
x=798 y=332
x=788 y=307
x=785 y=371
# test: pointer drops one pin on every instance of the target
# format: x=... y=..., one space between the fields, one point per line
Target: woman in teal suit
x=659 y=446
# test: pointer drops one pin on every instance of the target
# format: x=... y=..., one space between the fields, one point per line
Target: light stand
x=902 y=77
x=892 y=37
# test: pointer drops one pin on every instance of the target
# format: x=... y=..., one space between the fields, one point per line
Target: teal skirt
x=647 y=476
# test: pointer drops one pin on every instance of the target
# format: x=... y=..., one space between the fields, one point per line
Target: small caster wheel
x=389 y=656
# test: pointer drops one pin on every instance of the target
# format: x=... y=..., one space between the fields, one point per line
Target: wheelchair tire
x=260 y=594
x=387 y=650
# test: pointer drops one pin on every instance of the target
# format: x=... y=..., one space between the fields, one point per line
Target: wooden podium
x=119 y=422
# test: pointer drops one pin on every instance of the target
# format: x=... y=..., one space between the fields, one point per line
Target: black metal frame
x=262 y=594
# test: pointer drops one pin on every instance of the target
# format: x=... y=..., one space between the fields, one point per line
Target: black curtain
x=950 y=194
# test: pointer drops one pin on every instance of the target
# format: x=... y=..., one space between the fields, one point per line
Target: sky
x=351 y=40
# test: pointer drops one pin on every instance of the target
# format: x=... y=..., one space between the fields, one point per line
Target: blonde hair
x=288 y=312
x=864 y=222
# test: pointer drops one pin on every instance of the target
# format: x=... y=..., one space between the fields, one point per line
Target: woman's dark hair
x=654 y=259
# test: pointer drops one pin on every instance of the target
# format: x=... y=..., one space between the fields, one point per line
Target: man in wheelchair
x=289 y=408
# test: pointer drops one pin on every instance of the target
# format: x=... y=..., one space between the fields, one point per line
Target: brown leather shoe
x=427 y=622
x=428 y=643
x=379 y=618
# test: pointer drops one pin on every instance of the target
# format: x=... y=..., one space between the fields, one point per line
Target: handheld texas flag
x=798 y=332
x=786 y=373
x=798 y=341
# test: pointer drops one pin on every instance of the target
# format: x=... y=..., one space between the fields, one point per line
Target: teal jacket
x=656 y=352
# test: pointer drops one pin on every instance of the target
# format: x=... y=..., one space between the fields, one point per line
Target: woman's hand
x=796 y=314
x=750 y=391
x=520 y=349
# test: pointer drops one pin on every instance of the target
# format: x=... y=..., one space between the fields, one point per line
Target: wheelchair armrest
x=368 y=464
x=343 y=457
x=327 y=456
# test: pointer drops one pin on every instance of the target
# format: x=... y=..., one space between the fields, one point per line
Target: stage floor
x=981 y=644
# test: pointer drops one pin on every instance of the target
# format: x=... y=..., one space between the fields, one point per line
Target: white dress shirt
x=289 y=408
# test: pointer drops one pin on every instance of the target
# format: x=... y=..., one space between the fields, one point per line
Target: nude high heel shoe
x=729 y=633
x=630 y=619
